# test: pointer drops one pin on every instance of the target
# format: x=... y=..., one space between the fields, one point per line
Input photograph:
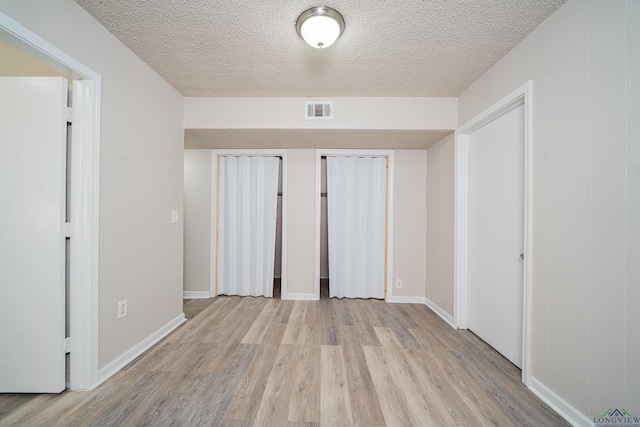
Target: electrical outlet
x=398 y=283
x=122 y=309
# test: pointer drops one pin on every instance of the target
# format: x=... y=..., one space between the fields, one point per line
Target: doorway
x=274 y=262
x=493 y=227
x=354 y=200
x=496 y=212
x=84 y=196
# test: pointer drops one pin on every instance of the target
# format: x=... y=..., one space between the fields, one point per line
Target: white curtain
x=247 y=210
x=356 y=205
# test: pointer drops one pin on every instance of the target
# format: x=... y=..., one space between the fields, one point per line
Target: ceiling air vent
x=318 y=110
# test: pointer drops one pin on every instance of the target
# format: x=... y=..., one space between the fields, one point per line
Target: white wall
x=197 y=222
x=301 y=231
x=439 y=264
x=409 y=222
x=348 y=113
x=140 y=175
x=585 y=65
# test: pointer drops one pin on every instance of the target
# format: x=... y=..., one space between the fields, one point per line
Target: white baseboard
x=196 y=294
x=110 y=369
x=299 y=297
x=404 y=300
x=440 y=312
x=558 y=404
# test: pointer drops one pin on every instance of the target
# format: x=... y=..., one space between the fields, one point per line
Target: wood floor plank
x=242 y=318
x=233 y=423
x=274 y=406
x=312 y=329
x=330 y=332
x=250 y=391
x=391 y=397
x=193 y=307
x=219 y=317
x=110 y=410
x=339 y=310
x=43 y=410
x=305 y=400
x=257 y=331
x=293 y=333
x=394 y=317
x=284 y=311
x=335 y=405
x=12 y=403
x=365 y=333
x=362 y=393
x=224 y=357
x=212 y=315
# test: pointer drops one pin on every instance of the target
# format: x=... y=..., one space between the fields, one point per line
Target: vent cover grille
x=318 y=110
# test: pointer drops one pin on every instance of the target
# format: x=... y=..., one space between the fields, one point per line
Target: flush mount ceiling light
x=320 y=26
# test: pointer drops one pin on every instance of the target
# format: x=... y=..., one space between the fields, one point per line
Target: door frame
x=389 y=154
x=520 y=96
x=215 y=154
x=84 y=198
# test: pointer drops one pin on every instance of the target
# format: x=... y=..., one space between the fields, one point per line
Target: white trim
x=213 y=247
x=214 y=214
x=85 y=184
x=405 y=300
x=130 y=355
x=460 y=229
x=390 y=154
x=520 y=96
x=196 y=294
x=440 y=312
x=300 y=296
x=558 y=404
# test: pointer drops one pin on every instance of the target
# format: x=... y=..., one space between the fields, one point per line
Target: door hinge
x=66 y=345
x=67 y=113
x=67 y=229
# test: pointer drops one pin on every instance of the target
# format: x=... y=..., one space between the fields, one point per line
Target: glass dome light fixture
x=320 y=26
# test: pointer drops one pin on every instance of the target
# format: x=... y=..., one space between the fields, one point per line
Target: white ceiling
x=250 y=48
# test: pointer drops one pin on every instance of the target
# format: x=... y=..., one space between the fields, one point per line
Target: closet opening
x=353 y=217
x=248 y=237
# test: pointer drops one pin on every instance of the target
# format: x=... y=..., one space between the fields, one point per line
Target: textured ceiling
x=249 y=48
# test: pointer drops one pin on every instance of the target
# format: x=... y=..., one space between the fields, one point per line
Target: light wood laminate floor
x=268 y=362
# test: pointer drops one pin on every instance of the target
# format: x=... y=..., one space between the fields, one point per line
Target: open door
x=32 y=238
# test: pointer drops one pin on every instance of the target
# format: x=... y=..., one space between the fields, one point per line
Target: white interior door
x=496 y=233
x=32 y=241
